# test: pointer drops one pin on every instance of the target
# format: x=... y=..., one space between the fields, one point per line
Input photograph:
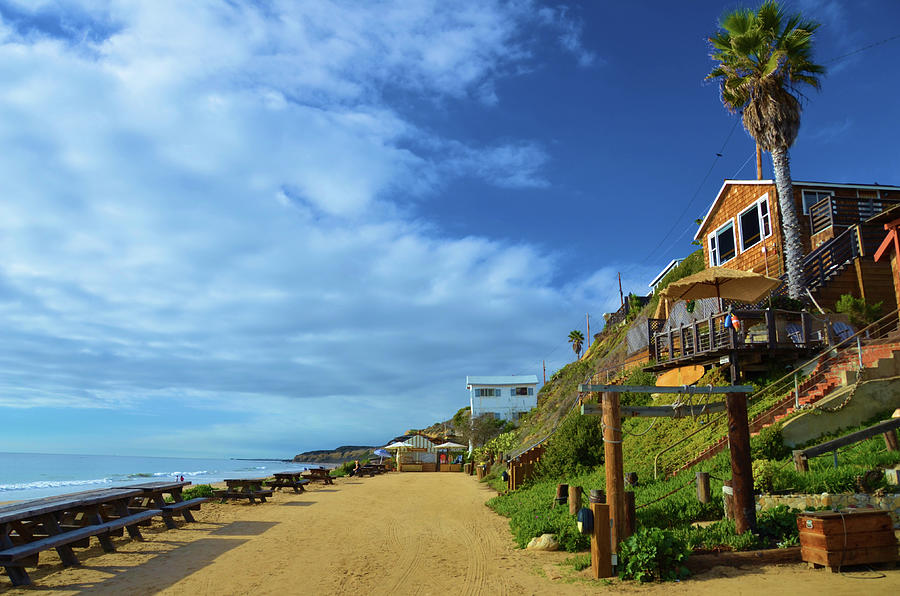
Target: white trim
x=715 y=234
x=719 y=196
x=803 y=191
x=727 y=183
x=672 y=264
x=762 y=235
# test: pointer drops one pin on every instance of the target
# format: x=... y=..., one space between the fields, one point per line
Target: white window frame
x=765 y=221
x=803 y=194
x=713 y=244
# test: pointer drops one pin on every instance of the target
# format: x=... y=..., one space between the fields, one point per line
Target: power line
x=862 y=49
x=696 y=192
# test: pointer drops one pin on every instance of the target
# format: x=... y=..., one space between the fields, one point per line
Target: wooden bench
x=245 y=488
x=183 y=507
x=16 y=557
x=282 y=482
x=367 y=471
x=319 y=474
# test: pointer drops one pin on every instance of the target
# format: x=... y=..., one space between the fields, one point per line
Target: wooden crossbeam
x=688 y=390
x=657 y=411
x=860 y=435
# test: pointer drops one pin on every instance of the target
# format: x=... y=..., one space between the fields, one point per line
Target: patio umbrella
x=382 y=453
x=450 y=445
x=722 y=282
x=398 y=445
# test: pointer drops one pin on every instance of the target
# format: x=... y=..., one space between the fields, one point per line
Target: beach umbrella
x=721 y=282
x=450 y=445
x=382 y=453
x=398 y=445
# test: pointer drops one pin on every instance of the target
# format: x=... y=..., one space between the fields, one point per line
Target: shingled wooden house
x=839 y=232
x=741 y=230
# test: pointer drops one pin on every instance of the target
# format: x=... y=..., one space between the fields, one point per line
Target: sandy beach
x=384 y=535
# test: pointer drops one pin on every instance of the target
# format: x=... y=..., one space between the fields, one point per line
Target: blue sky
x=256 y=228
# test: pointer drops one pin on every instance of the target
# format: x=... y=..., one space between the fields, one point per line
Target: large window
x=754 y=223
x=522 y=391
x=721 y=245
x=487 y=392
x=811 y=197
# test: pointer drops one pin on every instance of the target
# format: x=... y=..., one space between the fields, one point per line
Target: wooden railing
x=842 y=212
x=760 y=329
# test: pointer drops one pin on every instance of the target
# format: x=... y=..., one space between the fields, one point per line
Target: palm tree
x=576 y=338
x=763 y=57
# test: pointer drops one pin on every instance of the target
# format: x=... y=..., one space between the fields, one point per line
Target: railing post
x=804 y=325
x=859 y=351
x=712 y=334
x=770 y=328
x=796 y=390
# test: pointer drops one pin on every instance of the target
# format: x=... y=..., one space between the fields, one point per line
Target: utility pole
x=588 y=319
x=621 y=295
x=544 y=363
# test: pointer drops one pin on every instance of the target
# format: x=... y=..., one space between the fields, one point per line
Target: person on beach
x=356 y=468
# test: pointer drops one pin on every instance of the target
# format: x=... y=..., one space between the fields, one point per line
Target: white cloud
x=201 y=202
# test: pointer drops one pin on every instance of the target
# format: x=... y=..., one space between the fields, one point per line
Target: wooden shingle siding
x=737 y=198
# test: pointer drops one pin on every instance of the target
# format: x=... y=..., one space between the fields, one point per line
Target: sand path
x=390 y=534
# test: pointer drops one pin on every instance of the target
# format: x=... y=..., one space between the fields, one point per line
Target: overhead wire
x=721 y=152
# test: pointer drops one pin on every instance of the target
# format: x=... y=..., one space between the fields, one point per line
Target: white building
x=504 y=397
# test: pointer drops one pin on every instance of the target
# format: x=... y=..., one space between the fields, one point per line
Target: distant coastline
x=337 y=455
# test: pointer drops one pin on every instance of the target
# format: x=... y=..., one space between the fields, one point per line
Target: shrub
x=652 y=554
x=778 y=526
x=576 y=447
x=769 y=444
x=192 y=492
x=860 y=313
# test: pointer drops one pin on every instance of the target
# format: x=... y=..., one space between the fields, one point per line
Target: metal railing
x=844 y=212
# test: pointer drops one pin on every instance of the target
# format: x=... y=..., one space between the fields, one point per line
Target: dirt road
x=392 y=534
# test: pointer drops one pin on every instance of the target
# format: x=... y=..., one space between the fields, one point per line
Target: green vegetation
x=344 y=469
x=193 y=492
x=578 y=562
x=856 y=309
x=692 y=264
x=575 y=448
x=652 y=554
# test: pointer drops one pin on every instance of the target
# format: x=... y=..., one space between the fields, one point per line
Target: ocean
x=33 y=475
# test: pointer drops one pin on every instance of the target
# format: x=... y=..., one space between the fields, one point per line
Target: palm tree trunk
x=790 y=225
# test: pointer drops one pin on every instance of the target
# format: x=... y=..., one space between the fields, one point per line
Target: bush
x=859 y=313
x=778 y=526
x=652 y=554
x=576 y=447
x=532 y=512
x=769 y=444
x=200 y=490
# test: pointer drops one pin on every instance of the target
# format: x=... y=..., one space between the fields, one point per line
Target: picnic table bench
x=64 y=522
x=153 y=497
x=367 y=470
x=245 y=488
x=318 y=474
x=291 y=479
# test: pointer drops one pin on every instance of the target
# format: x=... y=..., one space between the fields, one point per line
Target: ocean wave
x=140 y=475
x=187 y=474
x=51 y=484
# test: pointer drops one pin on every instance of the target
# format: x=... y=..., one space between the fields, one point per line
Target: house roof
x=672 y=264
x=728 y=183
x=500 y=380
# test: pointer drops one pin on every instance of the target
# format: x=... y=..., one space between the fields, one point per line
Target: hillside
x=337 y=455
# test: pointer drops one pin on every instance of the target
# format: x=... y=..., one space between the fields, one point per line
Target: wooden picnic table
x=63 y=522
x=322 y=474
x=245 y=488
x=292 y=479
x=153 y=497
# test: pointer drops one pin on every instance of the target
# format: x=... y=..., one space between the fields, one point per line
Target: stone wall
x=889 y=502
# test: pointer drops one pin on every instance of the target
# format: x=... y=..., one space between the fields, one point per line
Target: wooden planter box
x=833 y=539
x=451 y=467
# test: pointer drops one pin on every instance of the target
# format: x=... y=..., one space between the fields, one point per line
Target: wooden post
x=801 y=464
x=630 y=514
x=703 y=487
x=770 y=329
x=562 y=494
x=742 y=472
x=615 y=481
x=728 y=499
x=890 y=439
x=574 y=499
x=601 y=558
